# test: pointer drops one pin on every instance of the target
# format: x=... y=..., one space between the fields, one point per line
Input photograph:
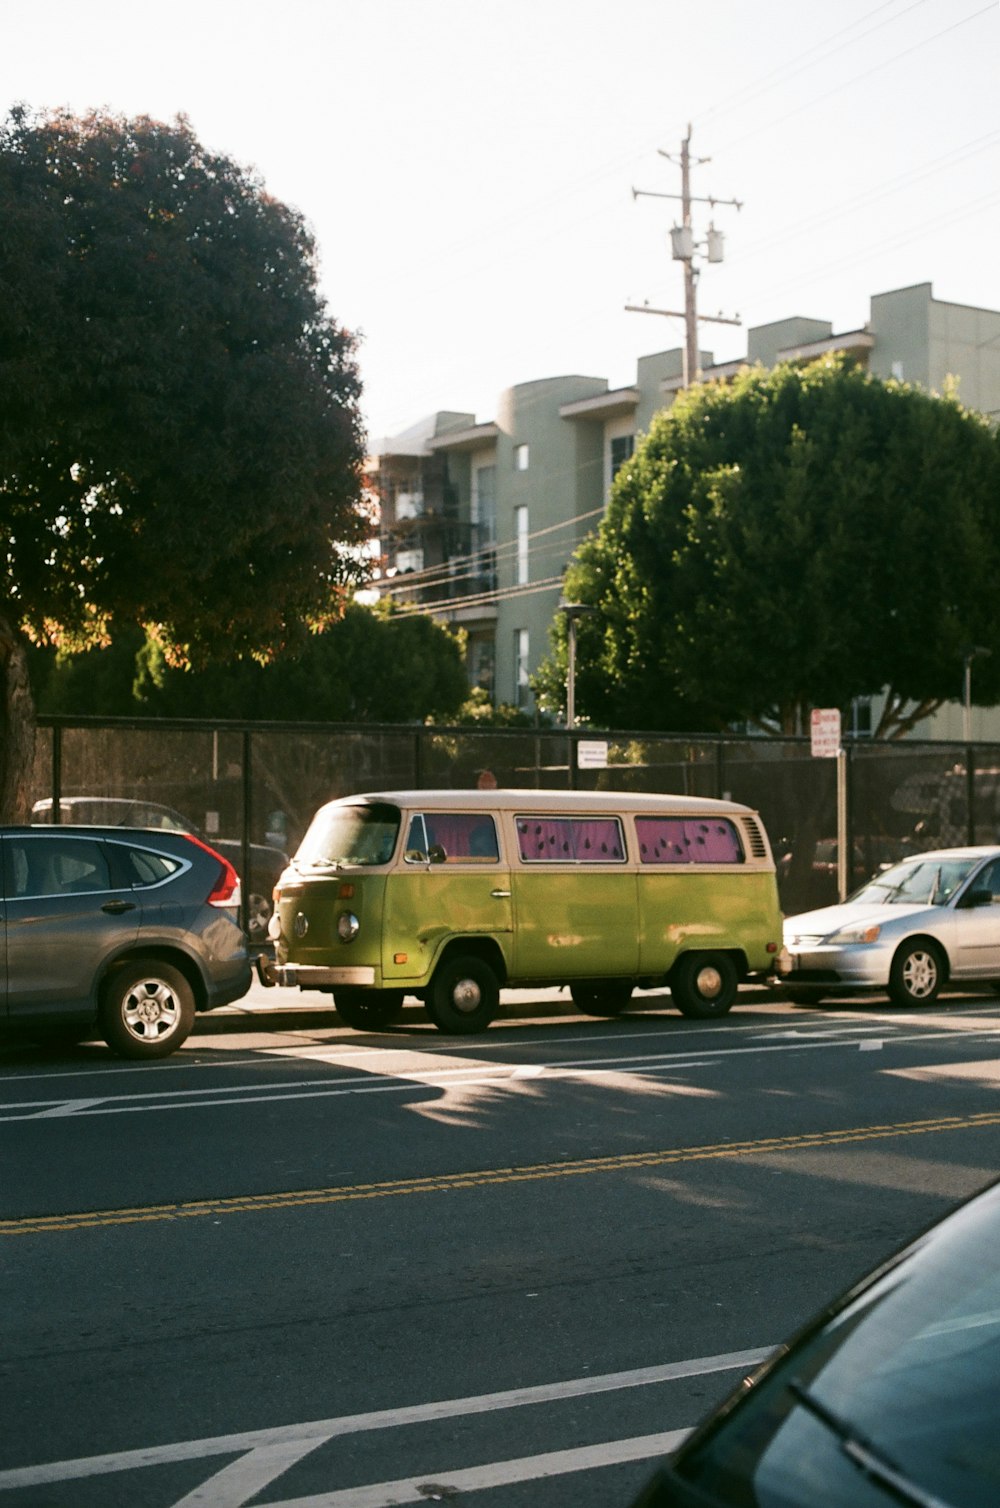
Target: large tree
x=801 y=537
x=180 y=444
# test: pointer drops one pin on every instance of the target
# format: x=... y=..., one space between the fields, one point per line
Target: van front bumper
x=306 y=976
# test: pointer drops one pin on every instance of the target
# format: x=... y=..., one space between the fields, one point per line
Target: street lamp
x=573 y=611
x=970 y=654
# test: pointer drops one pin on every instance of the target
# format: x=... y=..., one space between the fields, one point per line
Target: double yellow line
x=447 y=1183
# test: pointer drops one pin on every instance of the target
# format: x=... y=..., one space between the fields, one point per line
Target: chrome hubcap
x=466 y=995
x=709 y=981
x=150 y=1010
x=920 y=975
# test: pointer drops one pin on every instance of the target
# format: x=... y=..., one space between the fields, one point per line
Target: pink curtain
x=688 y=840
x=565 y=840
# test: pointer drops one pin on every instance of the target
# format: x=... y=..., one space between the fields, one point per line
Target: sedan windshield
x=339 y=836
x=928 y=882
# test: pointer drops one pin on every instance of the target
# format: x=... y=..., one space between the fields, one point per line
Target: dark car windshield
x=362 y=833
x=902 y=1384
x=928 y=882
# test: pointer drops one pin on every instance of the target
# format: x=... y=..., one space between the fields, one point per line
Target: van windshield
x=339 y=836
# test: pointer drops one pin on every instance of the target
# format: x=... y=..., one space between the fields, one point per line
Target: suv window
x=54 y=865
x=138 y=867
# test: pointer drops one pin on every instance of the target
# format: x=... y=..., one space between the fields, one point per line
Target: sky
x=467 y=167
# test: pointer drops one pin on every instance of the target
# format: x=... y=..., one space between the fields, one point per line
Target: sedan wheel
x=917 y=974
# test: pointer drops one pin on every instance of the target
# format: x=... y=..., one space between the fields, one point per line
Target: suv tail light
x=226 y=890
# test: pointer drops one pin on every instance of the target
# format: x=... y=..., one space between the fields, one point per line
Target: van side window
x=452 y=838
x=570 y=840
x=688 y=840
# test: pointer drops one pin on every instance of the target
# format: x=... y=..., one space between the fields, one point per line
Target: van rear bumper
x=305 y=976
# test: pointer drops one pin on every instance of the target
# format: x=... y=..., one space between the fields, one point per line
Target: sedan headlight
x=857 y=933
x=348 y=926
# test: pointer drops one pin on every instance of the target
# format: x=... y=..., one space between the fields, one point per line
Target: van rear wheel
x=607 y=998
x=704 y=984
x=368 y=1010
x=464 y=995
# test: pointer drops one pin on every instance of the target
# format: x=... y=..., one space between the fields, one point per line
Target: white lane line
x=478 y=1073
x=243 y=1479
x=451 y=1484
x=501 y=1038
x=319 y=1431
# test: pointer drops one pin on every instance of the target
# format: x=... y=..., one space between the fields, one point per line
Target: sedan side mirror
x=978 y=898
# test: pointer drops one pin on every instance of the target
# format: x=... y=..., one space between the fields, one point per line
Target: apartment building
x=480 y=518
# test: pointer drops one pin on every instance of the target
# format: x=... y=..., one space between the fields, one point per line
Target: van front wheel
x=704 y=984
x=464 y=995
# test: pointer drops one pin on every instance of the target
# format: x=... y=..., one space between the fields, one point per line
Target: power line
x=818 y=99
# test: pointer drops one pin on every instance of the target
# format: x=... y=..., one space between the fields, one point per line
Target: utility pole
x=684 y=249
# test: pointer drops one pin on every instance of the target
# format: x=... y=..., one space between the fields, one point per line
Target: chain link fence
x=251 y=789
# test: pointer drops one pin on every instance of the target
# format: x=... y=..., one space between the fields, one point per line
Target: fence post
x=970 y=794
x=571 y=759
x=720 y=769
x=245 y=833
x=57 y=773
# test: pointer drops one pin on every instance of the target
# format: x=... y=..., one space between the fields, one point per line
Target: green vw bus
x=451 y=895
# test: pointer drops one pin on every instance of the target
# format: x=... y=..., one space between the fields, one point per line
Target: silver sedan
x=932 y=918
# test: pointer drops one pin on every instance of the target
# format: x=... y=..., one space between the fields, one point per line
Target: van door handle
x=500 y=894
x=115 y=908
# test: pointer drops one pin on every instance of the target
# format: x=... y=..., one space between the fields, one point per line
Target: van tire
x=609 y=998
x=704 y=985
x=368 y=1010
x=464 y=995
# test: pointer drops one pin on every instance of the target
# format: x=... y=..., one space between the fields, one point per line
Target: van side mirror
x=436 y=854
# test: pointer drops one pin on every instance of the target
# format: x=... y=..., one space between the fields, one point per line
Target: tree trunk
x=17 y=727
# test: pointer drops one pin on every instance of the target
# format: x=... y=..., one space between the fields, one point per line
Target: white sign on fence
x=824 y=726
x=592 y=754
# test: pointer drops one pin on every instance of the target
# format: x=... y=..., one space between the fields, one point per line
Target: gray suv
x=125 y=930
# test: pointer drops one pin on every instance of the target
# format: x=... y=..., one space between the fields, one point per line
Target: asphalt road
x=296 y=1264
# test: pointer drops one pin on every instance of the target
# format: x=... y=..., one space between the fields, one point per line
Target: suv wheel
x=147 y=1009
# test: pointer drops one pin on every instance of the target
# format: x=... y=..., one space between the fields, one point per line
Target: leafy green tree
x=372 y=665
x=180 y=443
x=801 y=537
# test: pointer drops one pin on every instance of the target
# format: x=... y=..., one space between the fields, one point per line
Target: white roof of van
x=552 y=801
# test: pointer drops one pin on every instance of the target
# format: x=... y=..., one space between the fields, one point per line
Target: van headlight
x=348 y=926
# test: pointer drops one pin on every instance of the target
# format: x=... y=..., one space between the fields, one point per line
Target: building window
x=521 y=533
x=520 y=457
x=482 y=664
x=484 y=503
x=522 y=690
x=622 y=450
